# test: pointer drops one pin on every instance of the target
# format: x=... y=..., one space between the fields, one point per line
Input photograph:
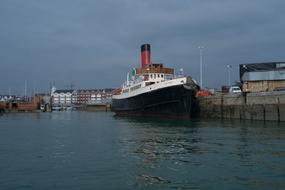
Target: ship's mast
x=128 y=80
x=25 y=91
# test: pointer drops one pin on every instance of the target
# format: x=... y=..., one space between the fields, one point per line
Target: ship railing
x=179 y=76
x=132 y=82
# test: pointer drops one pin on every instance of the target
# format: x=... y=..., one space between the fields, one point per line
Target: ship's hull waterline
x=171 y=102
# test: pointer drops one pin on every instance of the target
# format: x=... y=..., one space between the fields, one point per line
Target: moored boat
x=154 y=90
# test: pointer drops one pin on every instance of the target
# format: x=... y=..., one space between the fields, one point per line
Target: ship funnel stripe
x=145 y=47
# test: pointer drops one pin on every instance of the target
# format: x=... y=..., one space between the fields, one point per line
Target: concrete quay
x=267 y=106
x=94 y=107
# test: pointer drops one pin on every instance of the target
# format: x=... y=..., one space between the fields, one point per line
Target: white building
x=6 y=98
x=62 y=97
x=83 y=96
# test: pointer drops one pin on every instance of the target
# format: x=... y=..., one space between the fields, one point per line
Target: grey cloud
x=94 y=43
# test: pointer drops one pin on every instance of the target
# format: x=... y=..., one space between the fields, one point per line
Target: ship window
x=126 y=90
x=149 y=83
x=161 y=75
x=145 y=77
x=151 y=76
x=136 y=87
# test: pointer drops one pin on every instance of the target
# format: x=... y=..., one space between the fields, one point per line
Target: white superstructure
x=150 y=78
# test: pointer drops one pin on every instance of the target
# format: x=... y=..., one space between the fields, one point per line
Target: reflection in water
x=145 y=180
x=162 y=145
x=242 y=147
x=166 y=141
x=192 y=154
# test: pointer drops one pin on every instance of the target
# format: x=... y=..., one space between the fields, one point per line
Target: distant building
x=81 y=96
x=62 y=97
x=9 y=98
x=93 y=96
x=45 y=98
x=258 y=77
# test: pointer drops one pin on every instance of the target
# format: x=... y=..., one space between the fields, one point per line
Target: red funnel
x=145 y=55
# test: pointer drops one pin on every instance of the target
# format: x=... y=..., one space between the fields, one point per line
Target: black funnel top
x=145 y=47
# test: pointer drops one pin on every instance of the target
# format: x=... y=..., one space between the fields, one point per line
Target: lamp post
x=229 y=74
x=201 y=66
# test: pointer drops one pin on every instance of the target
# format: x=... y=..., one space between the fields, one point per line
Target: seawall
x=94 y=108
x=19 y=107
x=267 y=106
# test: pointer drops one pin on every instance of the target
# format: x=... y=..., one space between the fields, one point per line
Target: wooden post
x=222 y=107
x=278 y=109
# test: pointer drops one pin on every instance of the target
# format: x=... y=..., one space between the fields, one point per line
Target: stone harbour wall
x=267 y=106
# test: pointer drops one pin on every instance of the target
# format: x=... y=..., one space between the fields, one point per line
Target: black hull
x=170 y=102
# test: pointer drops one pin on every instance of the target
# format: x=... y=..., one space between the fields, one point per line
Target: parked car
x=225 y=89
x=234 y=89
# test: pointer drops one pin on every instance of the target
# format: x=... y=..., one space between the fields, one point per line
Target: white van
x=234 y=89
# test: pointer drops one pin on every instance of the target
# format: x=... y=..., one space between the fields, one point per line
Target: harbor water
x=84 y=150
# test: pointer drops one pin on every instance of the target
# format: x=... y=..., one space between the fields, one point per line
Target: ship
x=155 y=91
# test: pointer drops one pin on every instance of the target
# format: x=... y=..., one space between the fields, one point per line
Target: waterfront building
x=5 y=98
x=262 y=77
x=93 y=96
x=62 y=97
x=45 y=98
x=9 y=98
x=81 y=96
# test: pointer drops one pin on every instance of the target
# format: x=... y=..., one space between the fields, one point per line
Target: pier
x=94 y=107
x=267 y=106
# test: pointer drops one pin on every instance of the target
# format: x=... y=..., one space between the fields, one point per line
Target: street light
x=201 y=66
x=229 y=74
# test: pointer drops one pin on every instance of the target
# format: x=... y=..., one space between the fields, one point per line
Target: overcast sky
x=93 y=44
